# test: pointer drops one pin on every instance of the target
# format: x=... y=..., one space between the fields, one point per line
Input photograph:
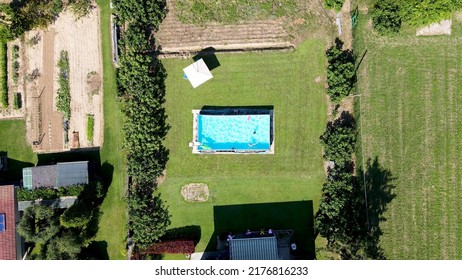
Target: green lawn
x=412 y=123
x=112 y=227
x=13 y=141
x=293 y=173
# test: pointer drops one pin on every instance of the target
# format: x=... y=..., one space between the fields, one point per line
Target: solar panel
x=2 y=222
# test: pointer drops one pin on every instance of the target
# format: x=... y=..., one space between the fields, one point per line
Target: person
x=270 y=231
x=248 y=232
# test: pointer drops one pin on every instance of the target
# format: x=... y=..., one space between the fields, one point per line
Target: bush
x=386 y=17
x=80 y=8
x=334 y=4
x=171 y=247
x=90 y=127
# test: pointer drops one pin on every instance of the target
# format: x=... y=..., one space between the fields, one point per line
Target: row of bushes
x=340 y=218
x=63 y=99
x=3 y=75
x=48 y=193
x=140 y=78
x=388 y=15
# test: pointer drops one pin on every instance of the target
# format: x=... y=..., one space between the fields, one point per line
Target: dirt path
x=176 y=37
x=48 y=122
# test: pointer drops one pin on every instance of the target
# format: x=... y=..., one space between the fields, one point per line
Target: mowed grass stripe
x=414 y=129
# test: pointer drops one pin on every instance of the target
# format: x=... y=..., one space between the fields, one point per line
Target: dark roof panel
x=260 y=248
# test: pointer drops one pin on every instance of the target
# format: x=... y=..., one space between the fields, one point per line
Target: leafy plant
x=63 y=100
x=80 y=8
x=90 y=127
x=3 y=75
x=334 y=4
x=17 y=101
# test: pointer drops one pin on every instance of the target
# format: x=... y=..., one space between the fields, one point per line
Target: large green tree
x=341 y=72
x=38 y=224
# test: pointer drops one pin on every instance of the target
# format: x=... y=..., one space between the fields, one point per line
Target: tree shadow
x=209 y=57
x=378 y=183
x=97 y=250
x=237 y=219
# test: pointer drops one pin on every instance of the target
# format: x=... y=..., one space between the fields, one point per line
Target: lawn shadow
x=296 y=216
x=191 y=232
x=11 y=173
x=379 y=193
x=209 y=57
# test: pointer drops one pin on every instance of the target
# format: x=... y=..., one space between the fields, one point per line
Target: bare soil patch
x=441 y=28
x=195 y=192
x=81 y=39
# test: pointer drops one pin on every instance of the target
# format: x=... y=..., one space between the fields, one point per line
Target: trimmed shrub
x=172 y=247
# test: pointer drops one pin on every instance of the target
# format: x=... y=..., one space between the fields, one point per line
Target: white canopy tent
x=198 y=73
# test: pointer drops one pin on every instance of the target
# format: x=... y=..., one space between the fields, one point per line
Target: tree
x=38 y=224
x=148 y=217
x=65 y=247
x=339 y=139
x=341 y=74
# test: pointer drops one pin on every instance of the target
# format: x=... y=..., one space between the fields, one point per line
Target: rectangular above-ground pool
x=233 y=133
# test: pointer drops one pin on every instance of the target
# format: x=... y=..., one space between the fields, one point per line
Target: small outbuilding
x=53 y=176
x=197 y=73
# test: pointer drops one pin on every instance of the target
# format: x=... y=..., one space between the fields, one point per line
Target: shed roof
x=7 y=211
x=198 y=73
x=53 y=176
x=72 y=173
x=260 y=248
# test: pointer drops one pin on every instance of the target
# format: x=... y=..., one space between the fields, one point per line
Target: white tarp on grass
x=198 y=73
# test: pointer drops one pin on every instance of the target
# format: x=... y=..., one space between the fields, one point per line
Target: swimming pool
x=234 y=132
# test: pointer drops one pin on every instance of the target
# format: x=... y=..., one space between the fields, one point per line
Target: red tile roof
x=8 y=237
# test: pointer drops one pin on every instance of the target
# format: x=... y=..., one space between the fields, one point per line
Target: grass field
x=112 y=227
x=293 y=173
x=411 y=121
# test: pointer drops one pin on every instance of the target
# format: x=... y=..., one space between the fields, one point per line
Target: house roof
x=59 y=175
x=259 y=248
x=7 y=211
x=198 y=73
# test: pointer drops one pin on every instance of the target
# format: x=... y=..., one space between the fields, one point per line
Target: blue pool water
x=234 y=132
